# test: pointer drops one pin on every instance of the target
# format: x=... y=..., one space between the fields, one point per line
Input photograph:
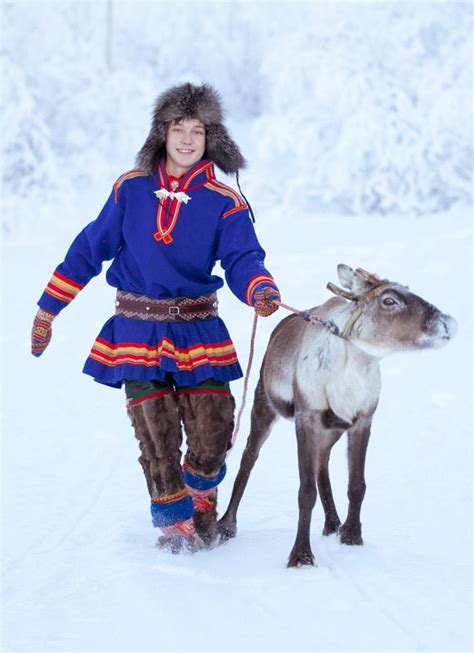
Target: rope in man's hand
x=266 y=301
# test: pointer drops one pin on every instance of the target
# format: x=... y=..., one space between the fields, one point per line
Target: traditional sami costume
x=164 y=245
x=166 y=343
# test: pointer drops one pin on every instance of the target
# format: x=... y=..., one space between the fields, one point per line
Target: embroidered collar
x=170 y=200
x=197 y=175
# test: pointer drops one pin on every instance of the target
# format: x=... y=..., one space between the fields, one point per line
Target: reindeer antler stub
x=339 y=291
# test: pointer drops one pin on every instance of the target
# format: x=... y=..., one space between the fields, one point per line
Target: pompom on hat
x=190 y=101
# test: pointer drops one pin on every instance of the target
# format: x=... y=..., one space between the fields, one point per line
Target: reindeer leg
x=301 y=554
x=358 y=439
x=262 y=419
x=332 y=521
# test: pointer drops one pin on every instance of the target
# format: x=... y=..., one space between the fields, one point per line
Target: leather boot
x=205 y=514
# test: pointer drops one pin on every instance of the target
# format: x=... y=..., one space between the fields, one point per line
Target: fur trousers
x=182 y=488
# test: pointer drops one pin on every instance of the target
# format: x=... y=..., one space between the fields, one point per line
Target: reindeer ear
x=352 y=279
x=346 y=275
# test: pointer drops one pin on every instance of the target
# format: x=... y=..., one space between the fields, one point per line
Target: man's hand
x=264 y=304
x=41 y=332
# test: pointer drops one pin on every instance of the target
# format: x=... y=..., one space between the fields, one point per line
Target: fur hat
x=190 y=101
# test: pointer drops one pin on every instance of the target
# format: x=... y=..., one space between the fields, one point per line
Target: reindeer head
x=387 y=317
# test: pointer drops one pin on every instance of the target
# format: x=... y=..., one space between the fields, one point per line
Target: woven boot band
x=178 y=309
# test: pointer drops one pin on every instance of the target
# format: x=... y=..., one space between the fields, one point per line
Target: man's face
x=185 y=145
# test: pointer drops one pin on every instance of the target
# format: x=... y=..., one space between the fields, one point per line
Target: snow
x=80 y=568
x=81 y=572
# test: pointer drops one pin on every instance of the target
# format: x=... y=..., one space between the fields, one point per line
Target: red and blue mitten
x=264 y=300
x=41 y=332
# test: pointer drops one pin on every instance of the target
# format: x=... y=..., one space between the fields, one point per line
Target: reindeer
x=324 y=374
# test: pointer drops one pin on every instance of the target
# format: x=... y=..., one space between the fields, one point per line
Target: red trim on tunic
x=55 y=289
x=234 y=210
x=77 y=285
x=59 y=293
x=131 y=174
x=253 y=283
x=165 y=348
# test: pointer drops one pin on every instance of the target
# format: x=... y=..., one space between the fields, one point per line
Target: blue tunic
x=164 y=247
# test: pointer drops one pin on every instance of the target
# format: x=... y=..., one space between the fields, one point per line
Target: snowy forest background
x=356 y=121
x=352 y=107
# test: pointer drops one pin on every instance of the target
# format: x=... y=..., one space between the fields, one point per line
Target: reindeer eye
x=388 y=301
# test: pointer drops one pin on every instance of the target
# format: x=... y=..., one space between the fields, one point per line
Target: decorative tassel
x=203 y=500
x=164 y=194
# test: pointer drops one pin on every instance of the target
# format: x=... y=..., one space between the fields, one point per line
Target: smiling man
x=185 y=145
x=165 y=225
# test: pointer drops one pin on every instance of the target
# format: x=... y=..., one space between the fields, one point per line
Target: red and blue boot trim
x=196 y=481
x=169 y=510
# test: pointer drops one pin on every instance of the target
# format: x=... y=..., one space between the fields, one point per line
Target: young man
x=164 y=225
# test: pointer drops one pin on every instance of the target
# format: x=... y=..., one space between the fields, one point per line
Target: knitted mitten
x=41 y=332
x=263 y=300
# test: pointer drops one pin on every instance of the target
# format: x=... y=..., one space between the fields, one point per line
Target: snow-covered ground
x=356 y=119
x=81 y=572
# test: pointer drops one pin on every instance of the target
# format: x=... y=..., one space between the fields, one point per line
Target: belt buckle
x=173 y=310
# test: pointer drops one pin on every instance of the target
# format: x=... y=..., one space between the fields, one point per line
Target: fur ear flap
x=353 y=280
x=221 y=149
x=149 y=156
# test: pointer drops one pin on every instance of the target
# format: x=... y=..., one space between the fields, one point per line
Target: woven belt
x=178 y=309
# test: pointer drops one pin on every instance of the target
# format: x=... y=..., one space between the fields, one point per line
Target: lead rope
x=249 y=365
x=309 y=317
x=290 y=308
x=247 y=375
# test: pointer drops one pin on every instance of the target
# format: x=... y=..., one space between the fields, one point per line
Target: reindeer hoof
x=350 y=536
x=331 y=527
x=303 y=559
x=226 y=530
